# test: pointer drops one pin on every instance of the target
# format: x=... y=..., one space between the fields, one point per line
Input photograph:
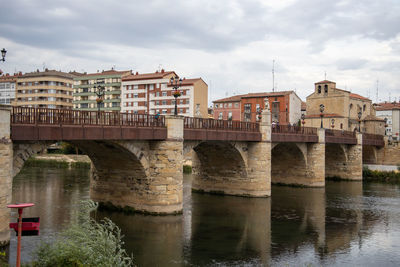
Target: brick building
x=285 y=107
x=391 y=112
x=151 y=93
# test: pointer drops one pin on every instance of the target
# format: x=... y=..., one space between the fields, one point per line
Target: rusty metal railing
x=47 y=116
x=201 y=123
x=340 y=133
x=289 y=129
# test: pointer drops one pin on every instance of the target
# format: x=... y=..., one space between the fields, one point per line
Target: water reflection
x=344 y=224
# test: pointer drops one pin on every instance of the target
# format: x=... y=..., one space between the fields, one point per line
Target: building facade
x=8 y=85
x=46 y=89
x=85 y=98
x=285 y=107
x=390 y=111
x=152 y=93
x=341 y=109
x=227 y=108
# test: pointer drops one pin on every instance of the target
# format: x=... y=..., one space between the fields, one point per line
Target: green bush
x=85 y=243
x=33 y=162
x=187 y=169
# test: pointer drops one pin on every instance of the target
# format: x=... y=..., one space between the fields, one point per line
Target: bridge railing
x=369 y=136
x=201 y=123
x=289 y=129
x=46 y=116
x=340 y=133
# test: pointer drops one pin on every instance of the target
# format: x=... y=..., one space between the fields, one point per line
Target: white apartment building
x=151 y=93
x=8 y=85
x=391 y=112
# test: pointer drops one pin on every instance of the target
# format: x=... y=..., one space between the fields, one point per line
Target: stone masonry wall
x=6 y=163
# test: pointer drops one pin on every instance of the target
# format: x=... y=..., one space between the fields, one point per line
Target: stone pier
x=6 y=167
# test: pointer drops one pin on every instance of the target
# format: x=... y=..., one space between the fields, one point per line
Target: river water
x=344 y=224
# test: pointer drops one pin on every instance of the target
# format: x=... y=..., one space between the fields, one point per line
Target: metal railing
x=47 y=116
x=340 y=133
x=368 y=136
x=201 y=123
x=289 y=129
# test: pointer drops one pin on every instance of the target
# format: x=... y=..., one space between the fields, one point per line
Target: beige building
x=152 y=93
x=341 y=110
x=46 y=89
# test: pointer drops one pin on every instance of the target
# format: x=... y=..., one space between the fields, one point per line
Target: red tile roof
x=108 y=72
x=148 y=76
x=250 y=95
x=372 y=118
x=324 y=81
x=358 y=97
x=303 y=105
x=235 y=98
x=189 y=81
x=387 y=106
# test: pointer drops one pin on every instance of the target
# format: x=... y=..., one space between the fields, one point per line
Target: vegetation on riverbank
x=381 y=176
x=54 y=163
x=187 y=169
x=85 y=243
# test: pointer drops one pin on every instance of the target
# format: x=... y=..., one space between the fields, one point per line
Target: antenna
x=159 y=67
x=273 y=75
x=389 y=97
x=377 y=90
x=325 y=75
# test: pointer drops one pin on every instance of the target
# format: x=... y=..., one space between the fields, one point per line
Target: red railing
x=200 y=123
x=47 y=116
x=288 y=129
x=340 y=133
x=368 y=136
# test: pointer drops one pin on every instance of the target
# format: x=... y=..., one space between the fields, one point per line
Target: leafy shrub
x=187 y=169
x=85 y=243
x=381 y=176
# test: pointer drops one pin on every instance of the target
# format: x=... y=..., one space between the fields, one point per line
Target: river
x=344 y=224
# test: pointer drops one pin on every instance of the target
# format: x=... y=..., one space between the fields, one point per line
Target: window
x=164 y=102
x=341 y=126
x=216 y=105
x=181 y=110
x=115 y=104
x=230 y=105
x=225 y=105
x=164 y=111
x=84 y=105
x=135 y=87
x=229 y=115
x=157 y=103
x=247 y=108
x=258 y=108
x=181 y=101
x=364 y=106
x=135 y=95
x=319 y=89
x=135 y=104
x=157 y=93
x=164 y=93
x=236 y=105
x=220 y=116
x=326 y=89
x=151 y=86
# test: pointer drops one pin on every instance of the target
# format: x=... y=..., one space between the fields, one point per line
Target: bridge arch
x=219 y=167
x=369 y=155
x=336 y=160
x=288 y=164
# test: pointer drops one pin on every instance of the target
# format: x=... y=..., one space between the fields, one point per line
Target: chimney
x=162 y=70
x=156 y=71
x=137 y=73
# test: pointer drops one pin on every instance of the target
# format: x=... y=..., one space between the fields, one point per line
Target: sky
x=230 y=44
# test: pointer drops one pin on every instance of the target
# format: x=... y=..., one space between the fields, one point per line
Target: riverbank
x=392 y=177
x=59 y=161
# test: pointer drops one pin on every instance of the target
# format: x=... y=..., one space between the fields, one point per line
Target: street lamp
x=3 y=54
x=385 y=119
x=176 y=83
x=333 y=123
x=321 y=109
x=303 y=117
x=359 y=121
x=99 y=91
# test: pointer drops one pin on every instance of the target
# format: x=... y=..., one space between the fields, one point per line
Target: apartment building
x=44 y=89
x=285 y=107
x=152 y=93
x=84 y=96
x=390 y=112
x=227 y=108
x=8 y=85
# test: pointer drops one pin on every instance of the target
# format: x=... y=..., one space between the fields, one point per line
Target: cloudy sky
x=230 y=44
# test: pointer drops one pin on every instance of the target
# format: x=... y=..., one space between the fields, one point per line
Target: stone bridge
x=137 y=159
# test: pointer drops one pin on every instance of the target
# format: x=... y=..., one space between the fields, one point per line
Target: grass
x=49 y=163
x=187 y=169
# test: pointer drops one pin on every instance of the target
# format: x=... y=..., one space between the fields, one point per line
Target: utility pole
x=273 y=75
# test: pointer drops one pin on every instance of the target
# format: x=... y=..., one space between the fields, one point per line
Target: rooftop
x=48 y=72
x=147 y=76
x=387 y=106
x=250 y=95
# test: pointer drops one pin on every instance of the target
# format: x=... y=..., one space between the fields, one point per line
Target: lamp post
x=3 y=54
x=99 y=91
x=385 y=119
x=359 y=121
x=176 y=83
x=321 y=109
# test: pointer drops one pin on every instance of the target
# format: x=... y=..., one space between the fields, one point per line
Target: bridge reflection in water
x=296 y=226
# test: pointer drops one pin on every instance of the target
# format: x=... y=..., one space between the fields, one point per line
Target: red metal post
x=19 y=237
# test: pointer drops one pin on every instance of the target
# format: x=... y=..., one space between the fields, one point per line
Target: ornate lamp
x=176 y=83
x=3 y=54
x=321 y=109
